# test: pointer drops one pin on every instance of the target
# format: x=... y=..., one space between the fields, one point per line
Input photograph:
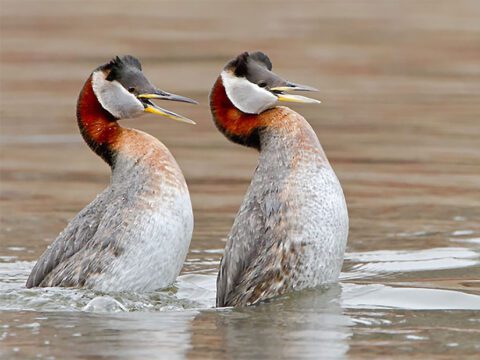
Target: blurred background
x=400 y=115
x=399 y=120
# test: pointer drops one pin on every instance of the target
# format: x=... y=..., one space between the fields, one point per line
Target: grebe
x=292 y=227
x=135 y=235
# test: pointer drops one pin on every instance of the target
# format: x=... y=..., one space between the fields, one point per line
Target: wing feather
x=77 y=234
x=256 y=228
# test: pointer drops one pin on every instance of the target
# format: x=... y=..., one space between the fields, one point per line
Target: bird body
x=291 y=230
x=135 y=235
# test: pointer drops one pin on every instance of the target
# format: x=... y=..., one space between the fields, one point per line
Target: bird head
x=252 y=87
x=123 y=90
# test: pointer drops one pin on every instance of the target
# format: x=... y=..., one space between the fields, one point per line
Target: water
x=381 y=302
x=398 y=120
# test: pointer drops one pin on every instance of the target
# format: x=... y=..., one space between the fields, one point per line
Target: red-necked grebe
x=291 y=230
x=136 y=233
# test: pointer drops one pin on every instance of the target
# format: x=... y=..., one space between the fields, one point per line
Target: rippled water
x=389 y=298
x=399 y=122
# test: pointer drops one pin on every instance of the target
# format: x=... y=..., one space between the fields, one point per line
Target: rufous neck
x=98 y=127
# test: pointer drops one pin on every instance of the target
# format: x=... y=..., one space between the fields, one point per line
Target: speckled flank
x=135 y=235
x=291 y=230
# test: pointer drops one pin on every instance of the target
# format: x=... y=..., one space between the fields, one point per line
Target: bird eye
x=262 y=84
x=131 y=89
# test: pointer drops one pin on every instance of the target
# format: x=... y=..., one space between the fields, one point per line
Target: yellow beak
x=169 y=114
x=297 y=98
x=294 y=98
x=154 y=109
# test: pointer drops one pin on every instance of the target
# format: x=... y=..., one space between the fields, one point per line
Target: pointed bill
x=294 y=87
x=279 y=91
x=163 y=95
x=154 y=109
x=297 y=99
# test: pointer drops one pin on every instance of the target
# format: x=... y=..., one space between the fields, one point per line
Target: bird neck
x=98 y=127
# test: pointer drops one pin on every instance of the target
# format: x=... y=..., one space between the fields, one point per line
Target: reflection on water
x=309 y=323
x=182 y=322
x=83 y=335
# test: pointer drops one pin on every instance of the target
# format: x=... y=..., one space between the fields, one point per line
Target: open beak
x=152 y=108
x=279 y=92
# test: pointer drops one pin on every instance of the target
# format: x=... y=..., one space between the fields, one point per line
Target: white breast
x=323 y=224
x=157 y=224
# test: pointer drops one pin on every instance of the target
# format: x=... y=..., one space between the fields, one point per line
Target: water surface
x=399 y=121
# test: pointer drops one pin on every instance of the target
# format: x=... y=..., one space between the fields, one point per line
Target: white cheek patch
x=246 y=96
x=115 y=98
